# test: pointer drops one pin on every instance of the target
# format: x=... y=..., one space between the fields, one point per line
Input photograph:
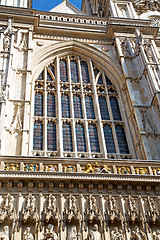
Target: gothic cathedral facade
x=80 y=121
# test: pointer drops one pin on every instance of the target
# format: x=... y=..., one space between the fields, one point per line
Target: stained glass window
x=38 y=136
x=115 y=108
x=38 y=104
x=65 y=106
x=63 y=71
x=41 y=76
x=103 y=108
x=85 y=73
x=49 y=78
x=51 y=67
x=74 y=71
x=109 y=139
x=96 y=71
x=108 y=81
x=80 y=138
x=77 y=106
x=89 y=107
x=100 y=79
x=94 y=143
x=51 y=136
x=67 y=138
x=51 y=108
x=123 y=147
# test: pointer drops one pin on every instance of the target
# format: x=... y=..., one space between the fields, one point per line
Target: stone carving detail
x=142 y=6
x=73 y=235
x=113 y=212
x=4 y=235
x=93 y=212
x=147 y=124
x=23 y=45
x=16 y=124
x=155 y=22
x=72 y=211
x=50 y=234
x=148 y=52
x=152 y=214
x=27 y=235
x=7 y=36
x=50 y=211
x=133 y=213
x=2 y=87
x=116 y=234
x=30 y=212
x=156 y=235
x=126 y=49
x=94 y=234
x=8 y=211
x=137 y=234
x=96 y=168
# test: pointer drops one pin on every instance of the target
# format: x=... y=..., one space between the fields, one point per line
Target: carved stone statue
x=4 y=235
x=27 y=235
x=94 y=234
x=73 y=235
x=156 y=235
x=50 y=234
x=137 y=234
x=116 y=235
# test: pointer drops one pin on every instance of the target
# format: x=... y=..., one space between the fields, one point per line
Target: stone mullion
x=72 y=109
x=58 y=111
x=45 y=112
x=84 y=111
x=97 y=113
x=111 y=119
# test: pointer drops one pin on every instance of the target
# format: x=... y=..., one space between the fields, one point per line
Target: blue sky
x=46 y=5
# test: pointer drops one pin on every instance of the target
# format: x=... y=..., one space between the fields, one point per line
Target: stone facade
x=73 y=194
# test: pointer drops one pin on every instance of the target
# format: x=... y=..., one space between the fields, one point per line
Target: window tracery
x=74 y=112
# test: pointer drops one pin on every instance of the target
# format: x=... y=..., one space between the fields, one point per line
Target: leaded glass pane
x=89 y=107
x=67 y=138
x=51 y=137
x=77 y=107
x=122 y=142
x=115 y=109
x=108 y=81
x=94 y=143
x=80 y=138
x=63 y=71
x=96 y=71
x=85 y=73
x=74 y=71
x=65 y=106
x=51 y=67
x=109 y=139
x=103 y=108
x=38 y=136
x=38 y=104
x=51 y=108
x=100 y=79
x=49 y=78
x=41 y=76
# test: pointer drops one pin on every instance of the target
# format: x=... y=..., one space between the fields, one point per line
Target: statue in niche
x=94 y=234
x=156 y=235
x=4 y=235
x=137 y=234
x=50 y=234
x=27 y=235
x=74 y=235
x=116 y=235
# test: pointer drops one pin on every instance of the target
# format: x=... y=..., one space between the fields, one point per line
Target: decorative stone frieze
x=142 y=6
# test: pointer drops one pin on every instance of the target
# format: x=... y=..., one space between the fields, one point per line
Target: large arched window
x=76 y=112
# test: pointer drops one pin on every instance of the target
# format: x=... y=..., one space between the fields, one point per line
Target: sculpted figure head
x=95 y=227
